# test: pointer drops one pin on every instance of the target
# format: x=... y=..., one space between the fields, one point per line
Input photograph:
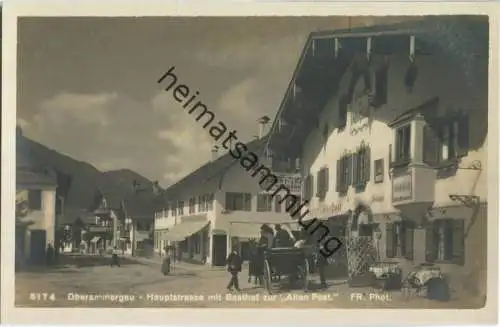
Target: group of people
x=279 y=238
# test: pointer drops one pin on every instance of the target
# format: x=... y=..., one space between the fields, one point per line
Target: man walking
x=234 y=263
x=114 y=257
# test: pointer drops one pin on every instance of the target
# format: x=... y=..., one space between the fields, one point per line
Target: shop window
x=238 y=201
x=445 y=241
x=322 y=183
x=361 y=167
x=399 y=240
x=192 y=205
x=35 y=199
x=196 y=243
x=264 y=202
x=344 y=174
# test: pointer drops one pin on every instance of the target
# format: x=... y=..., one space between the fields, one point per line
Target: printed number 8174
x=42 y=297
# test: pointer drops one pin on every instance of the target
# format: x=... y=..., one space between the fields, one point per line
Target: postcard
x=256 y=158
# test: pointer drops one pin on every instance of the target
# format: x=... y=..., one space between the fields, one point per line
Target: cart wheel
x=267 y=277
x=305 y=275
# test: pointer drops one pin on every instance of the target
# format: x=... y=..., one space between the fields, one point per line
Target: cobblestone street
x=142 y=280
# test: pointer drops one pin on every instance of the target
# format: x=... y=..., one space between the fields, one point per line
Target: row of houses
x=383 y=130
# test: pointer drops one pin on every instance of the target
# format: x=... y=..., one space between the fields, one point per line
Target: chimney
x=215 y=152
x=262 y=124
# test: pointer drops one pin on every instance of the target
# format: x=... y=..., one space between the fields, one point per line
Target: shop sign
x=402 y=187
x=326 y=210
x=99 y=229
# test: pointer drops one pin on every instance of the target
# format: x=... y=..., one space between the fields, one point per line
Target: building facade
x=35 y=215
x=220 y=206
x=391 y=130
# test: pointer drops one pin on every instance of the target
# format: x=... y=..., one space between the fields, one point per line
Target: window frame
x=246 y=203
x=453 y=236
x=192 y=205
x=401 y=158
x=37 y=197
x=264 y=205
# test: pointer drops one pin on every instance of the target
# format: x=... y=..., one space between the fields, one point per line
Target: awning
x=95 y=239
x=181 y=231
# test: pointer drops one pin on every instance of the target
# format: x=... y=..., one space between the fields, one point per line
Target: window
x=446 y=140
x=180 y=208
x=277 y=203
x=361 y=167
x=210 y=202
x=403 y=141
x=342 y=118
x=167 y=210
x=344 y=173
x=35 y=199
x=445 y=241
x=399 y=240
x=196 y=243
x=238 y=201
x=378 y=171
x=192 y=205
x=290 y=206
x=264 y=202
x=308 y=187
x=322 y=184
x=173 y=209
x=381 y=83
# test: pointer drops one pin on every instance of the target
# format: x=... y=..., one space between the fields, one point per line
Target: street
x=89 y=281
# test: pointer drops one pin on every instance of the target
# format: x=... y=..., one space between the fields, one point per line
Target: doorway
x=38 y=242
x=219 y=250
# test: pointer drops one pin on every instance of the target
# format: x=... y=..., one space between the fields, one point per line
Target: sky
x=87 y=86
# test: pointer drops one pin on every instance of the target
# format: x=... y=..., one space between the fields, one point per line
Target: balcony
x=413 y=190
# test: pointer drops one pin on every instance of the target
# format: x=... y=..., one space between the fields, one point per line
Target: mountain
x=86 y=180
x=127 y=177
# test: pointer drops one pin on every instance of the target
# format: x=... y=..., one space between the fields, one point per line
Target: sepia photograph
x=319 y=162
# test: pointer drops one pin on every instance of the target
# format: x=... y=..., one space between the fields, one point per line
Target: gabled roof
x=25 y=177
x=318 y=71
x=211 y=170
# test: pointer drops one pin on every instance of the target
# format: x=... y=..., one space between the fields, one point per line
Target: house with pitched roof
x=382 y=119
x=221 y=205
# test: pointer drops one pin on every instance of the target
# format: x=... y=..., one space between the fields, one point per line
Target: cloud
x=86 y=108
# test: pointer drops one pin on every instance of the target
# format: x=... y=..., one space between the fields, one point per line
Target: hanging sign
x=333 y=209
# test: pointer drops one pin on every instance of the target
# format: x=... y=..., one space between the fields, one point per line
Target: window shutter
x=355 y=171
x=431 y=146
x=349 y=163
x=430 y=243
x=319 y=183
x=339 y=176
x=458 y=249
x=390 y=156
x=326 y=180
x=389 y=244
x=408 y=241
x=367 y=164
x=463 y=136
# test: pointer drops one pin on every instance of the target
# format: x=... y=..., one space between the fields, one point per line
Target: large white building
x=390 y=124
x=221 y=205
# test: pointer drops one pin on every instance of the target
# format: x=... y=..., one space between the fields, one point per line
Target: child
x=234 y=262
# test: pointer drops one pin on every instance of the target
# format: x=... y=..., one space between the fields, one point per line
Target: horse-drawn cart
x=290 y=265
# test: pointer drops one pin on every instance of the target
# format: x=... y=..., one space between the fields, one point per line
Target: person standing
x=114 y=257
x=321 y=263
x=49 y=255
x=234 y=263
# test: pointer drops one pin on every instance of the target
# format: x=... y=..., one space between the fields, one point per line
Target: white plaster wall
x=437 y=76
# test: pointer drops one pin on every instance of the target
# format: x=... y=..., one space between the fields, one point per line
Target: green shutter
x=431 y=245
x=408 y=245
x=458 y=247
x=390 y=247
x=463 y=136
